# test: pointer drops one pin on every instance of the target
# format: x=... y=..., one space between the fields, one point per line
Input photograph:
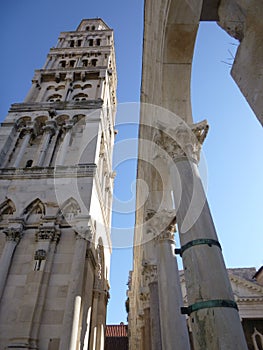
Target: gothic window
x=90 y=42
x=7 y=208
x=79 y=42
x=68 y=210
x=34 y=212
x=98 y=41
x=71 y=43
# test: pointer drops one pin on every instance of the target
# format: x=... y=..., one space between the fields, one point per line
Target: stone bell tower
x=55 y=198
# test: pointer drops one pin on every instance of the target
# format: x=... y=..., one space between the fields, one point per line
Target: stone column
x=27 y=134
x=49 y=131
x=162 y=225
x=13 y=236
x=68 y=89
x=65 y=143
x=71 y=320
x=47 y=237
x=150 y=272
x=213 y=312
x=147 y=329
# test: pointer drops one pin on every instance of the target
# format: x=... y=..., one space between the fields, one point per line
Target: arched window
x=98 y=41
x=29 y=163
x=90 y=41
x=94 y=62
x=80 y=97
x=62 y=64
x=54 y=98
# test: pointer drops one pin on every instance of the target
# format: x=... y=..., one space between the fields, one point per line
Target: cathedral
x=56 y=194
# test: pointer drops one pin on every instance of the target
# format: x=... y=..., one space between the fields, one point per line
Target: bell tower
x=56 y=195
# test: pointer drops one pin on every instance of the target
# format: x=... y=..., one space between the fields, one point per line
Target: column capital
x=149 y=272
x=47 y=233
x=50 y=127
x=182 y=142
x=145 y=297
x=161 y=224
x=13 y=234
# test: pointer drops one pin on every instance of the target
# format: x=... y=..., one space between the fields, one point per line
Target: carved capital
x=40 y=254
x=161 y=224
x=149 y=272
x=50 y=127
x=145 y=297
x=182 y=142
x=13 y=234
x=48 y=234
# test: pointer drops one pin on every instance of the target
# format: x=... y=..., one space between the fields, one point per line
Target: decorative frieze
x=182 y=142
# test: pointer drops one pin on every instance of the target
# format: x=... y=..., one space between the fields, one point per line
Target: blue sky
x=232 y=150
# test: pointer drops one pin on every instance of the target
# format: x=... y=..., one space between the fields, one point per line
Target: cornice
x=74 y=171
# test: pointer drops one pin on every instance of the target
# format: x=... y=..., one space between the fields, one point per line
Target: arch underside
x=170 y=28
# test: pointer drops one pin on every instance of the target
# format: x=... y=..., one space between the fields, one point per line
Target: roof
x=116 y=330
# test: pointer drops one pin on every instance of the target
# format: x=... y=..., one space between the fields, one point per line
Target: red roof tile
x=116 y=330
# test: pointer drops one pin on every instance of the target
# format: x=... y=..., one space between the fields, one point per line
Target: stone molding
x=74 y=171
x=182 y=142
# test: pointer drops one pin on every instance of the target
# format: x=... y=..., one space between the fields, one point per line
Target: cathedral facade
x=56 y=195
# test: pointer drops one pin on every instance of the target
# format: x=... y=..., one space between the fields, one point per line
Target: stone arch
x=34 y=211
x=69 y=209
x=7 y=208
x=23 y=121
x=61 y=119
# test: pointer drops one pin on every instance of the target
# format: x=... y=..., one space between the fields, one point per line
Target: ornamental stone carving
x=161 y=224
x=13 y=234
x=182 y=142
x=149 y=272
x=48 y=234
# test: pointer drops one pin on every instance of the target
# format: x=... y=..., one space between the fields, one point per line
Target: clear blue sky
x=233 y=148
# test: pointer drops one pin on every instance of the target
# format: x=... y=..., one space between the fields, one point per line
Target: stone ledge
x=81 y=170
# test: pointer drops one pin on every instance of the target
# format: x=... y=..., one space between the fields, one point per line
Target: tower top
x=92 y=24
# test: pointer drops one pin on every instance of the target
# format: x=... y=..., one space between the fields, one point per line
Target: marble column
x=161 y=225
x=27 y=133
x=13 y=236
x=71 y=320
x=212 y=310
x=49 y=131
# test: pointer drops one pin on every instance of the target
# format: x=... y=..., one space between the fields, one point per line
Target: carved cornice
x=76 y=171
x=161 y=224
x=182 y=142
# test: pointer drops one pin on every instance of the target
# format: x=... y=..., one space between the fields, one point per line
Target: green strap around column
x=195 y=242
x=208 y=304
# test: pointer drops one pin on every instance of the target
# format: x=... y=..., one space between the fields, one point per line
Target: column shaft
x=173 y=323
x=155 y=317
x=5 y=262
x=23 y=147
x=206 y=276
x=71 y=317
